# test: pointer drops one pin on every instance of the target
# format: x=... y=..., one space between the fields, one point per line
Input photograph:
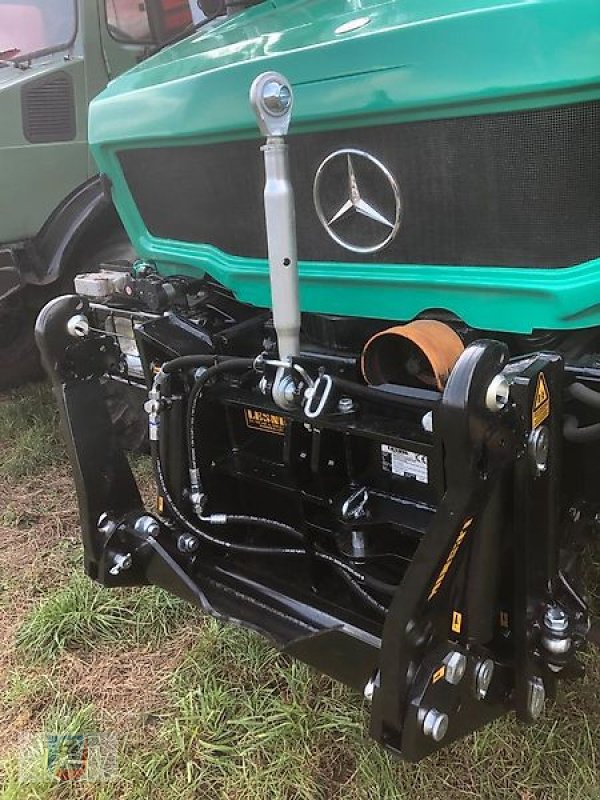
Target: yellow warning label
x=451 y=556
x=160 y=504
x=438 y=674
x=541 y=402
x=264 y=421
x=456 y=621
x=504 y=619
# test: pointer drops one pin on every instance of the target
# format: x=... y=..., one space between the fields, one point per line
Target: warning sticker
x=264 y=421
x=405 y=463
x=541 y=402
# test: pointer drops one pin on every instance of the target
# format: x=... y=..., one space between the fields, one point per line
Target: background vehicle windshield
x=30 y=26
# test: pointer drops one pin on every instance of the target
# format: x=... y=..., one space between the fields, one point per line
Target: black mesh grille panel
x=48 y=109
x=518 y=189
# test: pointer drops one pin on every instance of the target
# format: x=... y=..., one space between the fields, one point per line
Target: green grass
x=82 y=614
x=234 y=719
x=31 y=441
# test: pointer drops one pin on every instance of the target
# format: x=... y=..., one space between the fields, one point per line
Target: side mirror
x=168 y=18
x=212 y=8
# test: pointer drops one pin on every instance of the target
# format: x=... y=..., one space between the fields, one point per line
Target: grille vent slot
x=48 y=109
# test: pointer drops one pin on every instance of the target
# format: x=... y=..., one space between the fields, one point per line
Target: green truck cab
x=55 y=214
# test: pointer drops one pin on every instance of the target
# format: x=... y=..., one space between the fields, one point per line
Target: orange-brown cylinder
x=421 y=353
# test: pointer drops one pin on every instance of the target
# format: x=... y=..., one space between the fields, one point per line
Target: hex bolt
x=556 y=619
x=496 y=397
x=537 y=697
x=146 y=526
x=484 y=672
x=456 y=665
x=435 y=724
x=187 y=543
x=345 y=405
x=556 y=639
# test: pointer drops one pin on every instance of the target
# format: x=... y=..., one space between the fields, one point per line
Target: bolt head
x=483 y=677
x=187 y=543
x=146 y=526
x=435 y=724
x=556 y=619
x=456 y=665
x=345 y=405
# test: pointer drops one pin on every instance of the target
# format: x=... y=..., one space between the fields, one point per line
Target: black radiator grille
x=517 y=189
x=48 y=109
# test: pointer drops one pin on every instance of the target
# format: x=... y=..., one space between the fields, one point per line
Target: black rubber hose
x=357 y=589
x=584 y=394
x=267 y=524
x=202 y=534
x=232 y=365
x=367 y=580
x=187 y=362
x=374 y=395
x=281 y=527
x=573 y=433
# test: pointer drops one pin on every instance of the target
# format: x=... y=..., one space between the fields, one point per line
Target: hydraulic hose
x=573 y=433
x=231 y=365
x=584 y=394
x=354 y=579
x=202 y=534
x=187 y=362
x=258 y=522
x=428 y=399
x=357 y=589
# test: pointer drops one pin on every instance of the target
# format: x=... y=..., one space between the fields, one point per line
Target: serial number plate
x=405 y=463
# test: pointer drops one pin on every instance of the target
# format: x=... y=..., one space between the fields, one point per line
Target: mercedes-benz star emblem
x=365 y=216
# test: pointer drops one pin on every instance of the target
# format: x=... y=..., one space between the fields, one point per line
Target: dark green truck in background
x=56 y=219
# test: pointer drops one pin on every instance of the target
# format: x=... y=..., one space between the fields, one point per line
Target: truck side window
x=127 y=20
x=34 y=27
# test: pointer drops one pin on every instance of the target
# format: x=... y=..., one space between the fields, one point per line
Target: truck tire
x=19 y=356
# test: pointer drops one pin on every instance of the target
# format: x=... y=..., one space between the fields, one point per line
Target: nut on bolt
x=456 y=665
x=146 y=526
x=187 y=543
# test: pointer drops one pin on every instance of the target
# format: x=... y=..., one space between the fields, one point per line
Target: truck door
x=131 y=25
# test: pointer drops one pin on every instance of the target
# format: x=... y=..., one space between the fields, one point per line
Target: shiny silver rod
x=272 y=99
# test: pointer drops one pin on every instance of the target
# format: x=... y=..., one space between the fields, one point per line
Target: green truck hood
x=421 y=57
x=414 y=59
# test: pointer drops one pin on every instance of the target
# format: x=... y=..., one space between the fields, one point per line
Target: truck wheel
x=19 y=357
